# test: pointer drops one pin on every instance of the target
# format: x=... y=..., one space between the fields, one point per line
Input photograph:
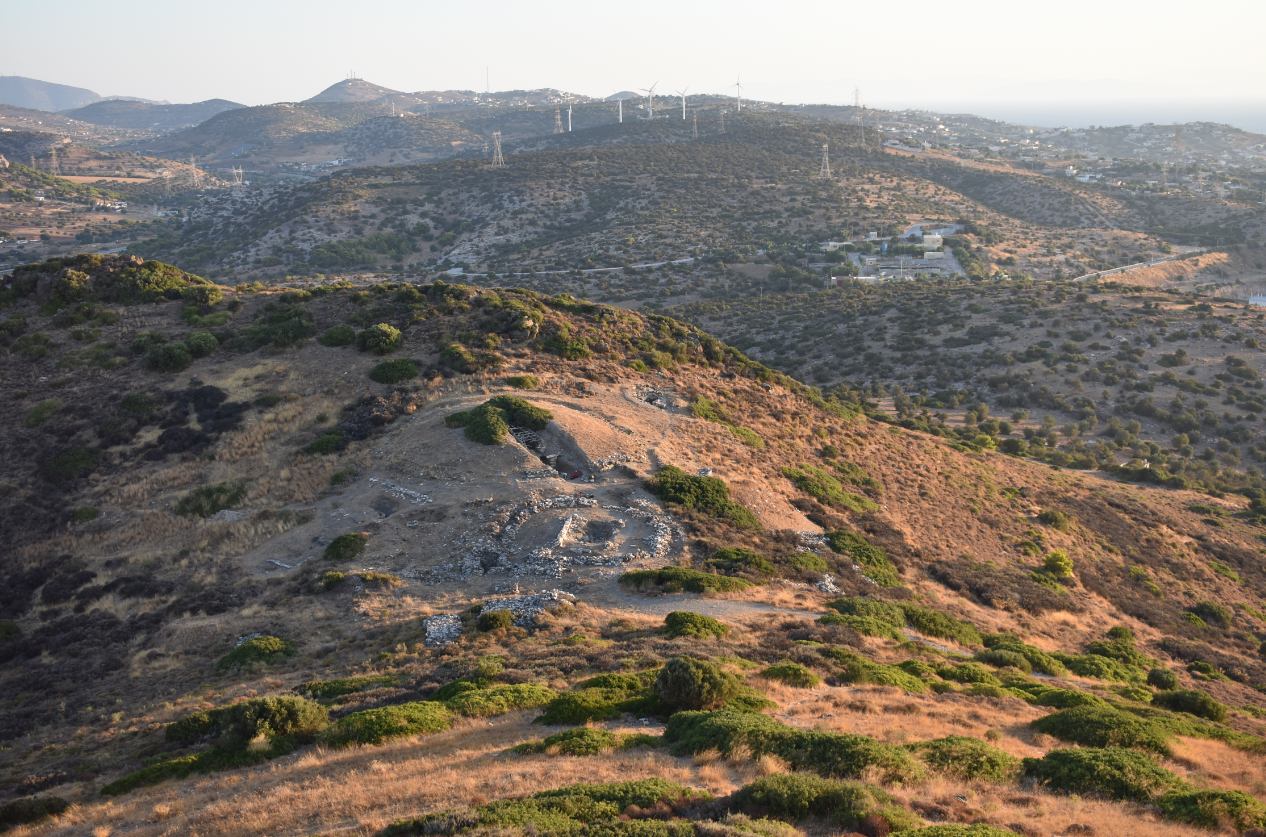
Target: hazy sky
x=989 y=57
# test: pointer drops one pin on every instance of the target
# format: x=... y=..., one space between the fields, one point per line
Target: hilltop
x=146 y=116
x=353 y=90
x=317 y=500
x=43 y=95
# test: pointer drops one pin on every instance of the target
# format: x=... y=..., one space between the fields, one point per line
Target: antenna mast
x=825 y=171
x=558 y=121
x=498 y=161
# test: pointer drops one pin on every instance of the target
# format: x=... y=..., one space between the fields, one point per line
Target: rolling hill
x=161 y=118
x=43 y=95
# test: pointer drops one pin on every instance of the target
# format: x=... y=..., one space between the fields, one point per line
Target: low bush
x=674 y=579
x=169 y=357
x=826 y=489
x=792 y=674
x=808 y=561
x=586 y=741
x=244 y=722
x=1069 y=698
x=69 y=464
x=967 y=758
x=499 y=699
x=886 y=612
x=827 y=754
x=583 y=706
x=394 y=371
x=255 y=651
x=685 y=623
x=1039 y=660
x=864 y=625
x=1104 y=726
x=338 y=336
x=41 y=412
x=331 y=441
x=1100 y=668
x=1214 y=614
x=873 y=560
x=795 y=796
x=1112 y=772
x=330 y=689
x=493 y=620
x=1000 y=658
x=202 y=295
x=1214 y=809
x=9 y=630
x=708 y=495
x=29 y=810
x=524 y=381
x=345 y=547
x=380 y=339
x=1162 y=678
x=490 y=422
x=688 y=683
x=211 y=499
x=737 y=559
x=1055 y=519
x=375 y=726
x=862 y=671
x=976 y=830
x=1193 y=702
x=1058 y=564
x=968 y=673
x=201 y=344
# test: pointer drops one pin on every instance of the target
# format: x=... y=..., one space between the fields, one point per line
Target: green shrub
x=1055 y=519
x=1162 y=678
x=202 y=295
x=1112 y=772
x=1069 y=698
x=394 y=371
x=1193 y=702
x=694 y=684
x=826 y=489
x=1104 y=726
x=864 y=671
x=795 y=796
x=792 y=674
x=1058 y=564
x=976 y=830
x=916 y=668
x=524 y=381
x=968 y=673
x=211 y=499
x=71 y=463
x=243 y=722
x=643 y=793
x=375 y=726
x=583 y=706
x=380 y=339
x=827 y=754
x=493 y=620
x=732 y=559
x=329 y=689
x=41 y=412
x=169 y=357
x=864 y=625
x=885 y=612
x=638 y=365
x=674 y=579
x=808 y=561
x=999 y=658
x=967 y=758
x=329 y=442
x=9 y=630
x=1214 y=809
x=1038 y=659
x=873 y=560
x=1100 y=668
x=338 y=336
x=1214 y=613
x=499 y=699
x=685 y=623
x=200 y=344
x=29 y=810
x=709 y=495
x=260 y=649
x=32 y=346
x=345 y=547
x=490 y=422
x=583 y=741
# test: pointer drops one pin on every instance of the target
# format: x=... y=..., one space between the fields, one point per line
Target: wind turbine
x=650 y=99
x=619 y=101
x=682 y=94
x=738 y=94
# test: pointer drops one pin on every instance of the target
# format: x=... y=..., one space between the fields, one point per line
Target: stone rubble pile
x=410 y=496
x=526 y=608
x=442 y=629
x=827 y=584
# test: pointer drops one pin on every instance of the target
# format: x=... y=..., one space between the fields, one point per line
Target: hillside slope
x=211 y=496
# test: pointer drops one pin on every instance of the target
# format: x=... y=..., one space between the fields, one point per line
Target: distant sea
x=1248 y=115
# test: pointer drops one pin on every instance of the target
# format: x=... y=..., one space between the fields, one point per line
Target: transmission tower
x=558 y=121
x=723 y=120
x=52 y=161
x=857 y=114
x=497 y=160
x=197 y=175
x=694 y=115
x=825 y=171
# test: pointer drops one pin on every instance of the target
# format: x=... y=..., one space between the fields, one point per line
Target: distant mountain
x=43 y=95
x=353 y=90
x=122 y=113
